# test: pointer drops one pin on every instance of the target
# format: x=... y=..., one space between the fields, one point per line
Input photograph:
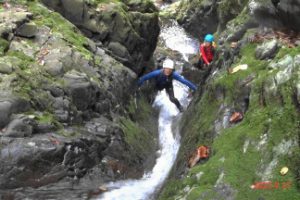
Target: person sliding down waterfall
x=164 y=80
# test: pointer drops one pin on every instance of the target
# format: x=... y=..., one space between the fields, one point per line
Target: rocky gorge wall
x=267 y=94
x=69 y=114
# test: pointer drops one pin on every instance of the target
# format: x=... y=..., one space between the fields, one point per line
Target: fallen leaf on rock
x=236 y=117
x=238 y=68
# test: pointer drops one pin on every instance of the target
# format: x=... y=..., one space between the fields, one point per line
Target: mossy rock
x=4 y=44
x=240 y=151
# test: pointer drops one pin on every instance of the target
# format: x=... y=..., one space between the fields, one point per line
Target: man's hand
x=139 y=83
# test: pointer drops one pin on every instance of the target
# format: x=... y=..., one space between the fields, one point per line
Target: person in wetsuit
x=164 y=80
x=206 y=52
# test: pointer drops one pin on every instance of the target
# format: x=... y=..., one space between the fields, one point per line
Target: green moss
x=68 y=133
x=3 y=46
x=187 y=5
x=96 y=2
x=255 y=67
x=241 y=168
x=139 y=109
x=59 y=25
x=45 y=118
x=138 y=139
x=294 y=163
x=290 y=51
x=25 y=61
x=97 y=60
x=171 y=11
x=279 y=119
x=231 y=7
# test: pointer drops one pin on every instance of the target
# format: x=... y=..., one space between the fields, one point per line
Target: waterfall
x=174 y=38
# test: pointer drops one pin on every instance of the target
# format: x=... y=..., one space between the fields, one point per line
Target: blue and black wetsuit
x=166 y=82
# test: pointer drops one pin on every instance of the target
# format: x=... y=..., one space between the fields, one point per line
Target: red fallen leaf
x=236 y=117
x=262 y=185
x=194 y=159
x=202 y=152
x=44 y=52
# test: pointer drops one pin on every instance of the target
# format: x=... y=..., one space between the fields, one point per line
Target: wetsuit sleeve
x=179 y=78
x=204 y=56
x=148 y=76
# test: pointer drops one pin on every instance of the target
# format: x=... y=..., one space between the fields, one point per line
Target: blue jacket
x=162 y=79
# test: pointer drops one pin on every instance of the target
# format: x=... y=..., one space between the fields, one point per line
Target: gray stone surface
x=267 y=50
x=27 y=30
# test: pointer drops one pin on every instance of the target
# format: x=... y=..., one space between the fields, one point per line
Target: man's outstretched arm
x=148 y=76
x=179 y=78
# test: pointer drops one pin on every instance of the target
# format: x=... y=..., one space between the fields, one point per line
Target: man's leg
x=170 y=92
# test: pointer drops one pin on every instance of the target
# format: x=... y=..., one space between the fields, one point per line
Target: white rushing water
x=169 y=142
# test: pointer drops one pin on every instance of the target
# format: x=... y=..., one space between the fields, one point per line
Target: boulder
x=27 y=30
x=73 y=9
x=237 y=27
x=80 y=89
x=62 y=116
x=267 y=50
x=55 y=91
x=5 y=112
x=131 y=36
x=207 y=16
x=10 y=105
x=25 y=47
x=5 y=68
x=284 y=75
x=119 y=50
x=199 y=18
x=21 y=126
x=56 y=157
x=11 y=20
x=140 y=6
x=54 y=67
x=283 y=14
x=286 y=61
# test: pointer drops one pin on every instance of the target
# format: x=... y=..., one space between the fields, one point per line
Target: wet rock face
x=82 y=92
x=63 y=97
x=10 y=105
x=203 y=17
x=41 y=161
x=51 y=160
x=200 y=19
x=278 y=14
x=130 y=33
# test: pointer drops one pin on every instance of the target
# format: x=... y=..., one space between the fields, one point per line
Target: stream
x=175 y=38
